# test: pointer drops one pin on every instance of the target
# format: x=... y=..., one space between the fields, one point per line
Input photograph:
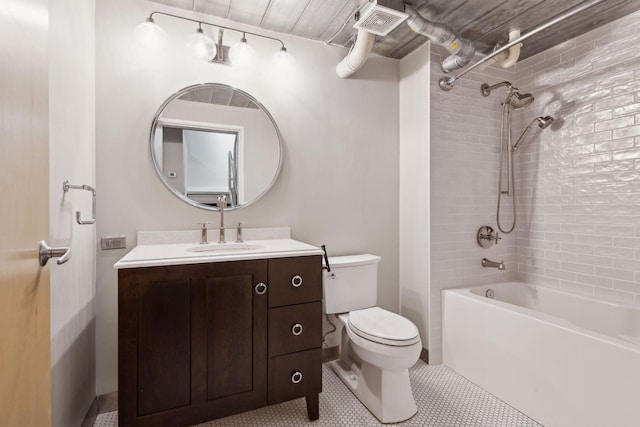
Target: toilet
x=378 y=347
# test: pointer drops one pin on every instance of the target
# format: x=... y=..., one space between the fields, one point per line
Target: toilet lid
x=382 y=326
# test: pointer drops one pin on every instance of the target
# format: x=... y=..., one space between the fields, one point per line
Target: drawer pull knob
x=296 y=329
x=296 y=377
x=261 y=288
x=296 y=280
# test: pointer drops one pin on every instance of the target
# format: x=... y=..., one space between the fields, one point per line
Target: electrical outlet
x=117 y=242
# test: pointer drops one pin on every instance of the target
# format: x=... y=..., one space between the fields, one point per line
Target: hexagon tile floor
x=444 y=399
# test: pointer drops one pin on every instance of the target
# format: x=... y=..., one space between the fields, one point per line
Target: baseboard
x=108 y=402
x=330 y=353
x=424 y=355
x=92 y=414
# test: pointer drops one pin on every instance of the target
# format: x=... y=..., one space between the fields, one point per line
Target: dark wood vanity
x=203 y=341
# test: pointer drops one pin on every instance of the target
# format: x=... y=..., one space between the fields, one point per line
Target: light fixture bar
x=216 y=25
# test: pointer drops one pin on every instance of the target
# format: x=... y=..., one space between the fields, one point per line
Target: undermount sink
x=224 y=247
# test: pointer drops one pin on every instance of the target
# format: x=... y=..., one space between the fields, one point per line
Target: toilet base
x=386 y=394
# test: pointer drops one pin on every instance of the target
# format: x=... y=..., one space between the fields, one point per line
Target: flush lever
x=45 y=252
x=326 y=259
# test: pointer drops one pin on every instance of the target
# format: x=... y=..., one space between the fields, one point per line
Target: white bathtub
x=562 y=359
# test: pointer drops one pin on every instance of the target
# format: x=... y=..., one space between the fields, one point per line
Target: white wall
x=72 y=157
x=339 y=182
x=465 y=142
x=414 y=189
x=580 y=178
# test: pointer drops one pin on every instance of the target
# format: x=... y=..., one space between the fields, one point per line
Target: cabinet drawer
x=295 y=328
x=295 y=280
x=295 y=375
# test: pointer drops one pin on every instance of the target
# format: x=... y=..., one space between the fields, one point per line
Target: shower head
x=543 y=123
x=519 y=100
x=514 y=98
x=485 y=89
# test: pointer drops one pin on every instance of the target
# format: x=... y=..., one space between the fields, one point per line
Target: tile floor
x=444 y=399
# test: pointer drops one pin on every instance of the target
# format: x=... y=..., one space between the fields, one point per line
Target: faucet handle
x=239 y=232
x=203 y=236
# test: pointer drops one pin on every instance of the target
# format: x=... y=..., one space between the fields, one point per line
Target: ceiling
x=484 y=22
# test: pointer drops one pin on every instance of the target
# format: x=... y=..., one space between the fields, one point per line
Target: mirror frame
x=182 y=196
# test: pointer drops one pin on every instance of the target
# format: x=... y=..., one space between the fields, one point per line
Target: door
x=24 y=214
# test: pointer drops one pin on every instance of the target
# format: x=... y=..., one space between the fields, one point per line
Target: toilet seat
x=383 y=327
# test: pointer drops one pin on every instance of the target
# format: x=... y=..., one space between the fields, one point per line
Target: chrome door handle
x=45 y=252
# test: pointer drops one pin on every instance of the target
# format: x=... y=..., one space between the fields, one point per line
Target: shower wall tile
x=579 y=180
x=465 y=141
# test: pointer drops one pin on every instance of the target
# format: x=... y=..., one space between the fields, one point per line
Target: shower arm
x=446 y=83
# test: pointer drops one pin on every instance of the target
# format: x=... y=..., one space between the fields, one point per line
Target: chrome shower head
x=544 y=122
x=519 y=100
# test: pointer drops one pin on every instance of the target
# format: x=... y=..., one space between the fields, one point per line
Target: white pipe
x=357 y=56
x=507 y=60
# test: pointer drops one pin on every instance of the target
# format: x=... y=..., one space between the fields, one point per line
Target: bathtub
x=561 y=359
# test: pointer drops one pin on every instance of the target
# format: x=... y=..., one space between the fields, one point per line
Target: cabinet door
x=164 y=346
x=154 y=342
x=230 y=352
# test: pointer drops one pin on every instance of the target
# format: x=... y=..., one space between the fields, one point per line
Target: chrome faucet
x=488 y=263
x=222 y=203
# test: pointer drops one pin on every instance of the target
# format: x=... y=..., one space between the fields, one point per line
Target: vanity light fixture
x=150 y=34
x=241 y=53
x=202 y=46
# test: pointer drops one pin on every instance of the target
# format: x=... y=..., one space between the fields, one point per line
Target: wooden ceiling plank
x=218 y=8
x=248 y=11
x=337 y=25
x=577 y=25
x=283 y=14
x=319 y=15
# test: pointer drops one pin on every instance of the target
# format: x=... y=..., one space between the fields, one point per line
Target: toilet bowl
x=377 y=346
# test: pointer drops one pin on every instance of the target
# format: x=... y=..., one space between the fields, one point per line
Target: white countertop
x=193 y=253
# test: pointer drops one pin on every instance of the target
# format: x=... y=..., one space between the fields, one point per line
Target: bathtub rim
x=549 y=319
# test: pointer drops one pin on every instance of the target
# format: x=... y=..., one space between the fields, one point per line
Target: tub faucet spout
x=488 y=263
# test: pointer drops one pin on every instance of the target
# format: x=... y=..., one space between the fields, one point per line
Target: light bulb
x=242 y=54
x=201 y=46
x=150 y=34
x=282 y=59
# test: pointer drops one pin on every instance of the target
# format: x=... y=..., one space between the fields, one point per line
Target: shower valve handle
x=486 y=236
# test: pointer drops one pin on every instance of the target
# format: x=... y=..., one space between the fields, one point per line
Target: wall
x=339 y=181
x=72 y=157
x=465 y=142
x=414 y=189
x=580 y=178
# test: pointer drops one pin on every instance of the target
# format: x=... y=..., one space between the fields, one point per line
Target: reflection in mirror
x=210 y=140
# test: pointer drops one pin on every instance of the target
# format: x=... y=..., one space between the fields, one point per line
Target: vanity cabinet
x=203 y=341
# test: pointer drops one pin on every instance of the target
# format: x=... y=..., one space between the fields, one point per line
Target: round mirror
x=215 y=146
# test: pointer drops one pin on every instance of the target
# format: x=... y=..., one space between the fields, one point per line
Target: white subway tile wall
x=579 y=180
x=465 y=142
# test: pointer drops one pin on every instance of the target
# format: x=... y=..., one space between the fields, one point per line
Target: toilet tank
x=352 y=283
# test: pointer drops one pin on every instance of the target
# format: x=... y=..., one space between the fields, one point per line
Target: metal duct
x=461 y=49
